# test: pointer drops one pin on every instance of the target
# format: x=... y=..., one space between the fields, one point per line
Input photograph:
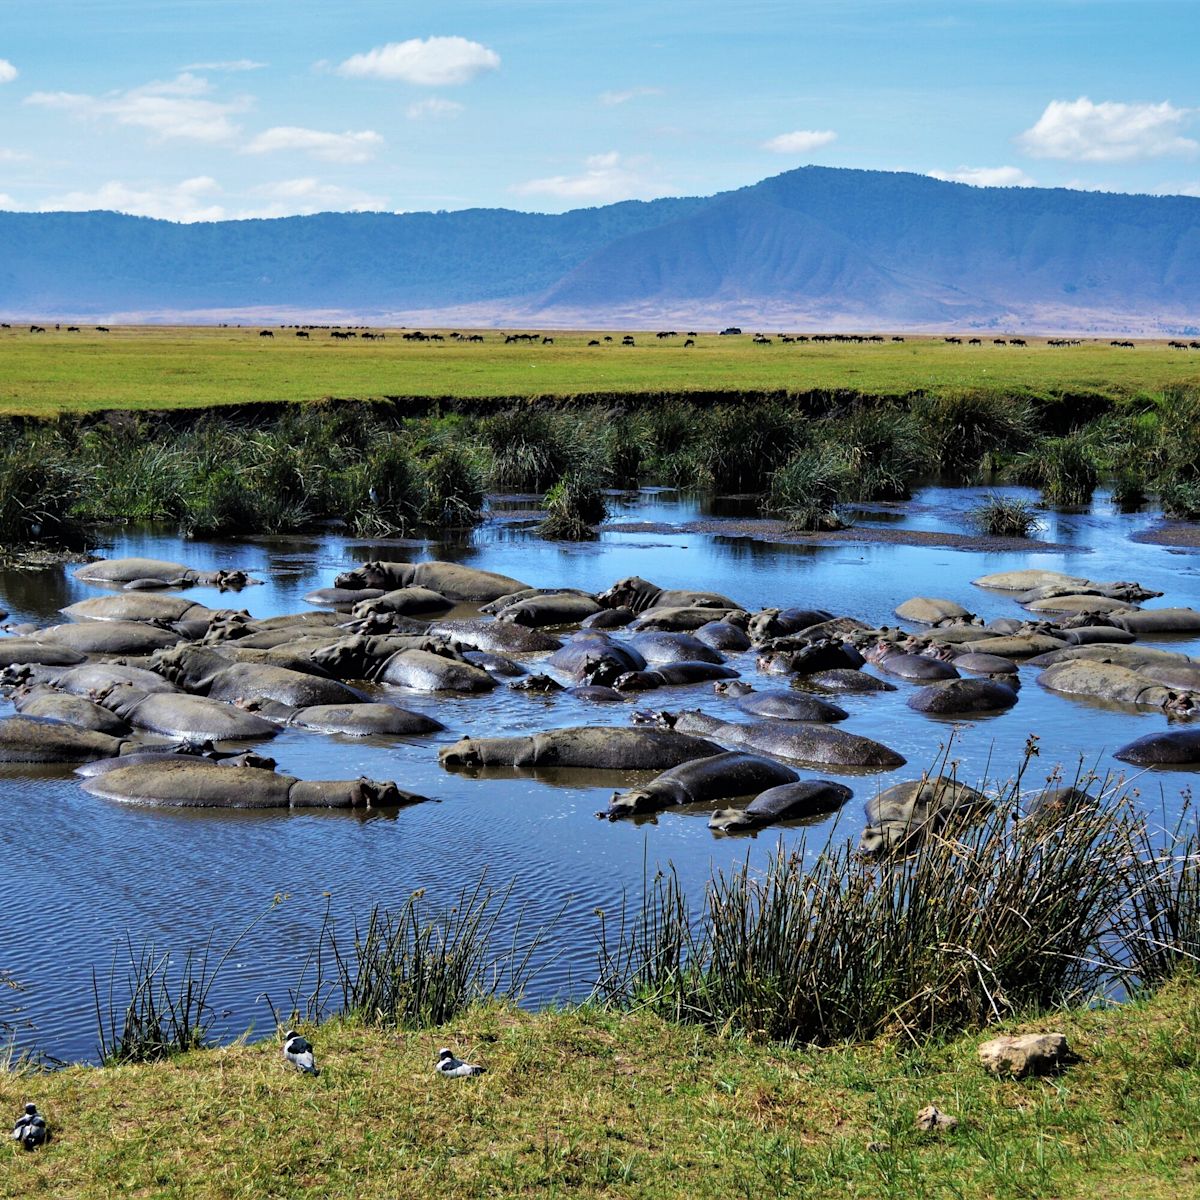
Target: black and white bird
x=31 y=1130
x=455 y=1068
x=299 y=1052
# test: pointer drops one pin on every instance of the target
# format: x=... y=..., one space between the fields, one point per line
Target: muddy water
x=79 y=874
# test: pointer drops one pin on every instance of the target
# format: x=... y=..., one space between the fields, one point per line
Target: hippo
x=1092 y=635
x=956 y=635
x=451 y=580
x=682 y=620
x=675 y=674
x=343 y=598
x=425 y=667
x=814 y=745
x=725 y=775
x=353 y=720
x=288 y=635
x=139 y=606
x=121 y=571
x=41 y=740
x=825 y=655
x=210 y=673
x=1135 y=658
x=954 y=697
x=1171 y=748
x=206 y=752
x=495 y=664
x=542 y=685
x=899 y=818
x=15 y=652
x=1160 y=620
x=787 y=802
x=784 y=706
x=640 y=594
x=842 y=679
x=178 y=715
x=42 y=701
x=1129 y=592
x=1024 y=581
x=779 y=622
x=927 y=610
x=609 y=618
x=976 y=663
x=409 y=601
x=1108 y=681
x=503 y=602
x=1016 y=645
x=557 y=608
x=658 y=648
x=1054 y=803
x=596 y=693
x=586 y=652
x=591 y=747
x=723 y=635
x=108 y=637
x=1091 y=604
x=916 y=667
x=195 y=783
x=504 y=638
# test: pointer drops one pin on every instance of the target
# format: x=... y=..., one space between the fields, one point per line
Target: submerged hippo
x=211 y=673
x=675 y=674
x=682 y=620
x=658 y=647
x=770 y=623
x=40 y=740
x=590 y=652
x=1160 y=620
x=409 y=601
x=723 y=776
x=784 y=706
x=122 y=571
x=139 y=606
x=588 y=746
x=826 y=655
x=609 y=618
x=842 y=680
x=505 y=638
x=929 y=610
x=451 y=580
x=1024 y=581
x=1108 y=681
x=195 y=783
x=723 y=635
x=179 y=715
x=1171 y=748
x=109 y=637
x=955 y=697
x=787 y=802
x=425 y=667
x=914 y=667
x=640 y=594
x=354 y=720
x=556 y=608
x=899 y=818
x=42 y=701
x=15 y=652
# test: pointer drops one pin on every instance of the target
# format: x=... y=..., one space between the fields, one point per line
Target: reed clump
x=1065 y=469
x=574 y=507
x=807 y=491
x=1005 y=516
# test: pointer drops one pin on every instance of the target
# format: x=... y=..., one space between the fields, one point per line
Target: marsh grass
x=1065 y=468
x=529 y=448
x=574 y=507
x=1005 y=516
x=968 y=430
x=884 y=448
x=807 y=491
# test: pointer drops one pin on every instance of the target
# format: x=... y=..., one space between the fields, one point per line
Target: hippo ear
x=360 y=793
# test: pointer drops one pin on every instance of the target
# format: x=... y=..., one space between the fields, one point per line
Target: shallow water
x=80 y=874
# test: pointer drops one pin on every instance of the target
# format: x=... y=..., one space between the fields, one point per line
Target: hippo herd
x=159 y=700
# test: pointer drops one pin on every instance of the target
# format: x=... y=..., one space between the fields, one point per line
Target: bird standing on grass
x=31 y=1130
x=299 y=1052
x=455 y=1068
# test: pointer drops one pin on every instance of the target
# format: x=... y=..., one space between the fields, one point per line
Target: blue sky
x=210 y=109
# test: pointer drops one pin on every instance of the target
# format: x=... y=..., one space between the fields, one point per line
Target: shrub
x=1004 y=516
x=453 y=489
x=574 y=505
x=739 y=447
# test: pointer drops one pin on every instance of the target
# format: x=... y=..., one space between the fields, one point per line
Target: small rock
x=931 y=1119
x=1028 y=1054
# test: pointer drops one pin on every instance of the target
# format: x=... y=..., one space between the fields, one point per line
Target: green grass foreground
x=157 y=368
x=589 y=1103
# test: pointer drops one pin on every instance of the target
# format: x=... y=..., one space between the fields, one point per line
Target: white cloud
x=434 y=107
x=801 y=141
x=172 y=108
x=230 y=65
x=429 y=62
x=986 y=176
x=1107 y=132
x=190 y=200
x=300 y=197
x=346 y=147
x=12 y=156
x=606 y=178
x=7 y=71
x=611 y=98
x=7 y=202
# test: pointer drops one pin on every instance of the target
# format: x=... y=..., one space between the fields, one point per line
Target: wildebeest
x=975 y=342
x=689 y=342
x=72 y=328
x=897 y=339
x=627 y=340
x=37 y=329
x=102 y=329
x=302 y=333
x=265 y=333
x=594 y=342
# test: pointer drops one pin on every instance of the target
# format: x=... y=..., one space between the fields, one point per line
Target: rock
x=1026 y=1054
x=931 y=1119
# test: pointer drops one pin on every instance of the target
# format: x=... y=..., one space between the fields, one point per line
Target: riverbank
x=589 y=1103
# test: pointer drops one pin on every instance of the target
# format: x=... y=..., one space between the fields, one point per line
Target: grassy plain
x=592 y=1104
x=154 y=367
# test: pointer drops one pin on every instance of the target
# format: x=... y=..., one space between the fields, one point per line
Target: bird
x=30 y=1129
x=455 y=1068
x=299 y=1052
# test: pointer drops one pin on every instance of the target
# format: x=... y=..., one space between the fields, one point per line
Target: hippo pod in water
x=1108 y=681
x=554 y=608
x=1171 y=748
x=722 y=776
x=783 y=706
x=180 y=715
x=425 y=665
x=194 y=783
x=451 y=580
x=155 y=572
x=675 y=674
x=42 y=740
x=588 y=746
x=353 y=720
x=899 y=818
x=787 y=802
x=640 y=594
x=954 y=697
x=814 y=745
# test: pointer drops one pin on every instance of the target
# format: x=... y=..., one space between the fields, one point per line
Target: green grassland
x=593 y=1104
x=153 y=367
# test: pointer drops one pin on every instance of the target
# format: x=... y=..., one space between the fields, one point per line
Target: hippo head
x=723 y=819
x=260 y=762
x=537 y=683
x=661 y=718
x=1181 y=706
x=232 y=581
x=368 y=575
x=626 y=804
x=464 y=753
x=15 y=675
x=731 y=689
x=601 y=671
x=374 y=793
x=632 y=592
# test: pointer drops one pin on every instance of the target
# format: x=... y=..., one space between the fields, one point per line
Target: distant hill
x=814 y=247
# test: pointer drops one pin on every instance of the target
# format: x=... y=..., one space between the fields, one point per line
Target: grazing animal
x=594 y=342
x=302 y=333
x=299 y=1052
x=455 y=1068
x=265 y=333
x=102 y=329
x=31 y=1129
x=689 y=342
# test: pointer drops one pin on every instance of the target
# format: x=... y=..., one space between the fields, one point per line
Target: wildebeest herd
x=163 y=701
